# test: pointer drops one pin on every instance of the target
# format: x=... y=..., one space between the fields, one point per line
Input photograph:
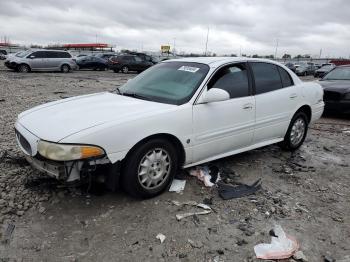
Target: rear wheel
x=125 y=69
x=150 y=168
x=23 y=68
x=65 y=68
x=296 y=132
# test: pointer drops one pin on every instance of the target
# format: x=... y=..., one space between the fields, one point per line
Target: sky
x=235 y=26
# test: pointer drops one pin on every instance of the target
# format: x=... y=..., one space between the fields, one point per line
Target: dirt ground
x=307 y=193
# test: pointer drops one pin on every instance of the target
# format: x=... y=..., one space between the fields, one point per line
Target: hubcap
x=65 y=69
x=298 y=131
x=125 y=69
x=154 y=168
x=24 y=69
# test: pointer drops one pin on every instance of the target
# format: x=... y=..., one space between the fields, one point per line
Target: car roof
x=218 y=61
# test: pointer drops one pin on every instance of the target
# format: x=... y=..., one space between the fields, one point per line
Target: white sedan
x=177 y=114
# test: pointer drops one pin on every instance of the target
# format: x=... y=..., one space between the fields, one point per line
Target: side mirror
x=214 y=95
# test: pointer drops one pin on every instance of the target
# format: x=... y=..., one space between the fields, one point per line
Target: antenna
x=206 y=43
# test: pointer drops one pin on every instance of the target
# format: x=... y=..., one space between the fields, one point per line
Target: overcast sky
x=253 y=26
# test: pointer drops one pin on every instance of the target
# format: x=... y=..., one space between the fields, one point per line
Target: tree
x=286 y=56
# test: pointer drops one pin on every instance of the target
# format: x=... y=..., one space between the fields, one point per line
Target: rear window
x=285 y=77
x=267 y=77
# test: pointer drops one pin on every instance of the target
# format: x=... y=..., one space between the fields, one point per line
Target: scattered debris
x=8 y=233
x=181 y=216
x=299 y=256
x=161 y=237
x=346 y=131
x=13 y=159
x=328 y=259
x=2 y=100
x=59 y=92
x=208 y=201
x=228 y=192
x=195 y=244
x=177 y=186
x=209 y=175
x=281 y=247
x=192 y=203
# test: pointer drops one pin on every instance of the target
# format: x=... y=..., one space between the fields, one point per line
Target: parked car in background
x=92 y=62
x=291 y=66
x=336 y=85
x=323 y=70
x=126 y=63
x=81 y=55
x=105 y=56
x=305 y=70
x=178 y=113
x=41 y=60
x=3 y=54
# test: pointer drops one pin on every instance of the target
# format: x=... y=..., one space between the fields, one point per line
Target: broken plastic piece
x=181 y=216
x=209 y=175
x=177 y=186
x=281 y=247
x=192 y=203
x=227 y=191
x=161 y=237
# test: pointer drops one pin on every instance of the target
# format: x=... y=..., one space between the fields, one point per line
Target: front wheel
x=296 y=132
x=150 y=168
x=23 y=68
x=65 y=68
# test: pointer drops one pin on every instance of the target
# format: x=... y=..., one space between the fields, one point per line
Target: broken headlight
x=68 y=152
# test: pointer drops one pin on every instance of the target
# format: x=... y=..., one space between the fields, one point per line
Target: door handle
x=292 y=96
x=248 y=107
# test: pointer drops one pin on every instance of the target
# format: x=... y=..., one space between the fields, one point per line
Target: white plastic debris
x=181 y=216
x=177 y=186
x=202 y=173
x=161 y=237
x=281 y=247
x=191 y=203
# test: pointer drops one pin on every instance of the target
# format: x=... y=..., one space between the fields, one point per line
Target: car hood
x=57 y=120
x=342 y=86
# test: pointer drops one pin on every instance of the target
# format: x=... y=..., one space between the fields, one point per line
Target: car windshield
x=169 y=82
x=23 y=53
x=338 y=74
x=326 y=67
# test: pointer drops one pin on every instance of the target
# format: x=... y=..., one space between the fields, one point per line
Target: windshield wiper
x=138 y=96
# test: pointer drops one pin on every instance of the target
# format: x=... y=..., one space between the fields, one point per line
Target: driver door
x=222 y=127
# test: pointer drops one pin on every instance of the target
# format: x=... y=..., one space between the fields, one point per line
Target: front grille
x=331 y=96
x=23 y=142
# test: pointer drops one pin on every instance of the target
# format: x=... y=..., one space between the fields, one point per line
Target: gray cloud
x=251 y=25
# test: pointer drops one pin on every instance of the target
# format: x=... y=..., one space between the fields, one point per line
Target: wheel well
x=307 y=110
x=171 y=138
x=18 y=65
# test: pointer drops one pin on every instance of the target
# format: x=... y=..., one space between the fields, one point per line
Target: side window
x=267 y=77
x=51 y=54
x=38 y=54
x=285 y=77
x=138 y=59
x=233 y=79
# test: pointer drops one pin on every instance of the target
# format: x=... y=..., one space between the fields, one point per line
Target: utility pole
x=206 y=43
x=276 y=48
x=320 y=53
x=174 y=49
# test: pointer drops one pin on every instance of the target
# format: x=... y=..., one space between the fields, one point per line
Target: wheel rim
x=297 y=132
x=125 y=69
x=24 y=69
x=154 y=168
x=65 y=69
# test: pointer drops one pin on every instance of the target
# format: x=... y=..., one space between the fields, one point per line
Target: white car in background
x=178 y=113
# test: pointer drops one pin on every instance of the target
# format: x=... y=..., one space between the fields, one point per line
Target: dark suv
x=126 y=63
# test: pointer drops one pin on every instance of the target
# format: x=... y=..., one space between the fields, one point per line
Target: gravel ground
x=306 y=192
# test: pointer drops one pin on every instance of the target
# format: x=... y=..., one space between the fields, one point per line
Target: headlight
x=66 y=152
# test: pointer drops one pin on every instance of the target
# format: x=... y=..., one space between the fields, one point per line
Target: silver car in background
x=41 y=60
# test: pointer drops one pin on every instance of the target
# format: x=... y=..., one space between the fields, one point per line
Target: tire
x=125 y=69
x=115 y=70
x=149 y=169
x=305 y=74
x=296 y=132
x=65 y=68
x=23 y=68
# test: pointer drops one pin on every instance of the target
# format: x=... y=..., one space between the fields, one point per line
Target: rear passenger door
x=222 y=127
x=276 y=99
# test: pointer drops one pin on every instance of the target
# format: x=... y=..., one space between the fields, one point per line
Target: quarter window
x=267 y=77
x=285 y=77
x=233 y=79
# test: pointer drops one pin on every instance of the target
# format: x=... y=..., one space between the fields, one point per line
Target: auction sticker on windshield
x=189 y=69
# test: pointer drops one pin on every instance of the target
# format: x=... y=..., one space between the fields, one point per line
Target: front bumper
x=10 y=65
x=342 y=106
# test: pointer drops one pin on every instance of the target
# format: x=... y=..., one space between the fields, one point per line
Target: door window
x=138 y=59
x=39 y=54
x=267 y=77
x=233 y=79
